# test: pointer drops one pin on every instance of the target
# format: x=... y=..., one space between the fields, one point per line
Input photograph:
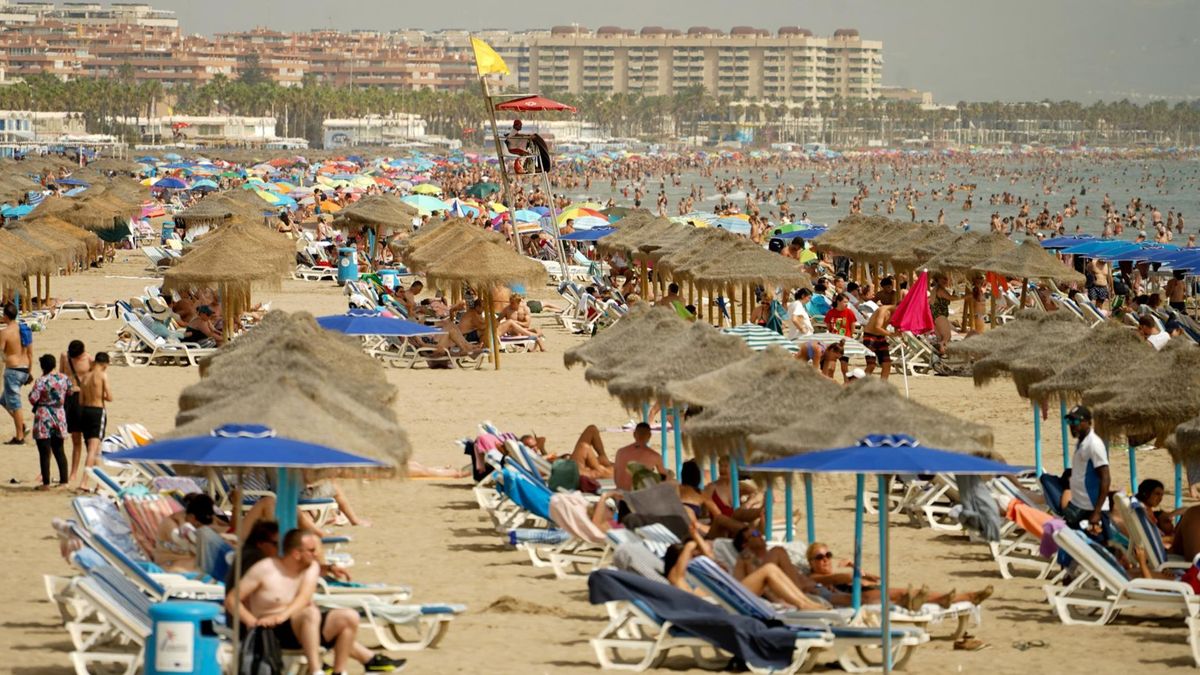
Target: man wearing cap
x=1090 y=478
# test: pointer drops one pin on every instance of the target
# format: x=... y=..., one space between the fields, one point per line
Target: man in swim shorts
x=93 y=395
x=18 y=356
x=875 y=338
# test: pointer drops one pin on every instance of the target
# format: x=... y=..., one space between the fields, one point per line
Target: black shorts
x=73 y=413
x=1178 y=305
x=91 y=422
x=288 y=640
x=878 y=344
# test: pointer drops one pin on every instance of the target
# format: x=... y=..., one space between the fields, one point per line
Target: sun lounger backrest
x=1152 y=538
x=729 y=592
x=1093 y=557
x=115 y=557
x=129 y=595
x=100 y=516
x=1052 y=489
x=526 y=493
x=633 y=556
x=1007 y=487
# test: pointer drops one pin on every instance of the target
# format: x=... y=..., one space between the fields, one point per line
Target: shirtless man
x=93 y=394
x=671 y=297
x=1177 y=292
x=75 y=363
x=875 y=335
x=516 y=320
x=639 y=451
x=467 y=334
x=277 y=593
x=1102 y=280
x=17 y=359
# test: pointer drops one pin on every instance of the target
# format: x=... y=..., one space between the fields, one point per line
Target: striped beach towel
x=759 y=338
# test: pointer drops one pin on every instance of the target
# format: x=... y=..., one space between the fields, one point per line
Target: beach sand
x=430 y=533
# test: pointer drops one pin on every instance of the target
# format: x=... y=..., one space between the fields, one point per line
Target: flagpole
x=487 y=97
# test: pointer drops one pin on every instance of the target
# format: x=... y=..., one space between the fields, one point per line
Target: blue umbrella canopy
x=886 y=454
x=374 y=323
x=245 y=445
x=588 y=235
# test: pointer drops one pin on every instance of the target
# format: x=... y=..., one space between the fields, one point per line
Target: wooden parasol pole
x=494 y=339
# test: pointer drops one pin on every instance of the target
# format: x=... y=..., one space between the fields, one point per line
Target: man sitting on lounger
x=515 y=320
x=639 y=451
x=466 y=335
x=277 y=593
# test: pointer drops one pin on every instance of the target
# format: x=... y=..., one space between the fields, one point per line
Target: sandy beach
x=431 y=535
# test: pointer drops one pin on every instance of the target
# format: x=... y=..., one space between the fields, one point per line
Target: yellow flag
x=487 y=61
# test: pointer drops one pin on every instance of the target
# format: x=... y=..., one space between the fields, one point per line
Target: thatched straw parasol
x=29 y=257
x=385 y=210
x=640 y=345
x=1025 y=323
x=1185 y=443
x=295 y=345
x=783 y=397
x=212 y=210
x=706 y=349
x=873 y=407
x=1048 y=343
x=717 y=385
x=965 y=255
x=634 y=230
x=231 y=263
x=1161 y=394
x=847 y=233
x=92 y=244
x=619 y=336
x=275 y=250
x=296 y=409
x=1030 y=261
x=97 y=209
x=946 y=240
x=752 y=267
x=1110 y=351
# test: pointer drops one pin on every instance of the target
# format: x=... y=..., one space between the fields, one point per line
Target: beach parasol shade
x=780 y=398
x=755 y=266
x=732 y=379
x=295 y=344
x=482 y=190
x=534 y=104
x=1185 y=445
x=633 y=230
x=1039 y=351
x=704 y=349
x=96 y=209
x=1110 y=351
x=626 y=331
x=207 y=211
x=613 y=358
x=1030 y=261
x=295 y=409
x=485 y=265
x=231 y=264
x=30 y=257
x=872 y=406
x=379 y=211
x=965 y=255
x=1025 y=322
x=1161 y=394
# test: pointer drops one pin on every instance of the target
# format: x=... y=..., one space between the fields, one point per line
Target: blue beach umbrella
x=589 y=235
x=170 y=183
x=374 y=323
x=72 y=181
x=205 y=185
x=882 y=455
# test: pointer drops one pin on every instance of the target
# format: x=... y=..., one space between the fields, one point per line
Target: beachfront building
x=393 y=129
x=46 y=127
x=209 y=130
x=746 y=63
x=86 y=14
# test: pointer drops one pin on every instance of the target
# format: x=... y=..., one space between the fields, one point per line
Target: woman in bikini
x=720 y=494
x=705 y=515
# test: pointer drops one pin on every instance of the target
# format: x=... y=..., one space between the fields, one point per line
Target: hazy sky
x=959 y=49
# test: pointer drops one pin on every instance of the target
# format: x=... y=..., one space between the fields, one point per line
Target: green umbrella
x=483 y=190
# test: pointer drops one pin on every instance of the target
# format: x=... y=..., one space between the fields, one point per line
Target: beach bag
x=261 y=654
x=564 y=475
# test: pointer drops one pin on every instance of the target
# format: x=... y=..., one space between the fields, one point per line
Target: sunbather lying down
x=588 y=452
x=820 y=561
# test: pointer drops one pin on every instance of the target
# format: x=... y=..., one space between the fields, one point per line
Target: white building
x=42 y=127
x=206 y=130
x=88 y=13
x=392 y=129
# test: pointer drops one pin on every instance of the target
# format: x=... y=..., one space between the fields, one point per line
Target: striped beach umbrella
x=758 y=338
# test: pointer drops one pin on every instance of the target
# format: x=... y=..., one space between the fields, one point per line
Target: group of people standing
x=68 y=400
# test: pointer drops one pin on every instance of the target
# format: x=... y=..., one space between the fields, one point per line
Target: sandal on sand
x=1022 y=646
x=970 y=644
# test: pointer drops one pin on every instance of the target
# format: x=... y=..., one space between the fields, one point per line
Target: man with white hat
x=158 y=319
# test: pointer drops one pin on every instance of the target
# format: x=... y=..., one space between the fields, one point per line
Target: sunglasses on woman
x=827 y=555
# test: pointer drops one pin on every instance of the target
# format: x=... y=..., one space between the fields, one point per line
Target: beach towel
x=1049 y=547
x=762 y=644
x=569 y=510
x=979 y=510
x=484 y=443
x=532 y=535
x=634 y=557
x=1027 y=517
x=660 y=504
x=526 y=494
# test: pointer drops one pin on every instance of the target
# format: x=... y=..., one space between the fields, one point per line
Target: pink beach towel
x=485 y=443
x=569 y=511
